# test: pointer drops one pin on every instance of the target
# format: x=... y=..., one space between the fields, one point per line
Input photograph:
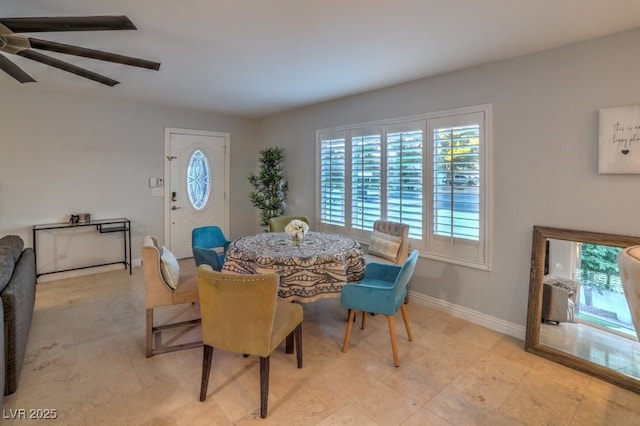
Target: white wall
x=61 y=155
x=545 y=112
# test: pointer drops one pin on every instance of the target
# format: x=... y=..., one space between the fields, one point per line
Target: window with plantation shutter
x=431 y=172
x=456 y=162
x=457 y=215
x=333 y=180
x=366 y=171
x=404 y=175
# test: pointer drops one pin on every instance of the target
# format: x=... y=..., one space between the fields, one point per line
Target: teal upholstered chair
x=381 y=291
x=209 y=246
x=277 y=224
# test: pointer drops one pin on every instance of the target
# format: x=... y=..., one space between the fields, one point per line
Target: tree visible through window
x=456 y=172
x=602 y=300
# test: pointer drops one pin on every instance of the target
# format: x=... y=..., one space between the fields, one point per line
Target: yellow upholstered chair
x=241 y=314
x=277 y=224
x=389 y=243
x=165 y=285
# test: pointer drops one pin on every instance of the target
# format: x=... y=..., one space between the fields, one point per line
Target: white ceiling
x=257 y=57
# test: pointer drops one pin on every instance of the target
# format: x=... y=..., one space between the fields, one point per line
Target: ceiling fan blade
x=68 y=23
x=14 y=71
x=65 y=66
x=91 y=53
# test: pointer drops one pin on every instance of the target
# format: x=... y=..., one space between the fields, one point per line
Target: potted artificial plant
x=269 y=186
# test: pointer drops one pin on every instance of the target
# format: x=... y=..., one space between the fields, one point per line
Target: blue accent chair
x=209 y=246
x=382 y=290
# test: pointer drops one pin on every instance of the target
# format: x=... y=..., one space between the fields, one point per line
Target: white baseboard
x=492 y=323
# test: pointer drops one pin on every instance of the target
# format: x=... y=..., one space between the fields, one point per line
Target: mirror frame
x=534 y=312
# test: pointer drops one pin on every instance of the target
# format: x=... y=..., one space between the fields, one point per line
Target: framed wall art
x=619 y=140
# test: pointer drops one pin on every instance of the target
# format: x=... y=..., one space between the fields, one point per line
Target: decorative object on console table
x=619 y=141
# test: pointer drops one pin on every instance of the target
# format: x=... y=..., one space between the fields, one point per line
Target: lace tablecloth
x=315 y=269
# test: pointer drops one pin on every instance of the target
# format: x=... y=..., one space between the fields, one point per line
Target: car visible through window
x=460 y=180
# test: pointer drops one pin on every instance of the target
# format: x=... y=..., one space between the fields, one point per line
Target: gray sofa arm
x=18 y=299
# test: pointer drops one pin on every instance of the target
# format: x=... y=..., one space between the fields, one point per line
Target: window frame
x=472 y=254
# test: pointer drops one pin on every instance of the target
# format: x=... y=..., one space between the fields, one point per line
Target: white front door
x=196 y=182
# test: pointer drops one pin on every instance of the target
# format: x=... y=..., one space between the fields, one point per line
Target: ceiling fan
x=21 y=45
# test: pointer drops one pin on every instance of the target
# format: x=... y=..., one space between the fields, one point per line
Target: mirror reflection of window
x=601 y=302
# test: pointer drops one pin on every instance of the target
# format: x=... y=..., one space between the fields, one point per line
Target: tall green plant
x=269 y=186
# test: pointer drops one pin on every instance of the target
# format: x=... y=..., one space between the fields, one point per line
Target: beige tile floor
x=85 y=359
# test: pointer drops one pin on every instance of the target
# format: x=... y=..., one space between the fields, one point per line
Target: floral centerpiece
x=297 y=229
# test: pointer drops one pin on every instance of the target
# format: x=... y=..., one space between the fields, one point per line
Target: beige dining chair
x=165 y=285
x=389 y=243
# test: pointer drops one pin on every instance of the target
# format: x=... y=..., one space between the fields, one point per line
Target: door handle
x=175 y=208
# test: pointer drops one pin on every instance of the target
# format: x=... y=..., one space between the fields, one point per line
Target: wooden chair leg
x=149 y=333
x=364 y=320
x=394 y=345
x=288 y=347
x=349 y=313
x=347 y=336
x=298 y=338
x=207 y=355
x=264 y=385
x=289 y=342
x=405 y=318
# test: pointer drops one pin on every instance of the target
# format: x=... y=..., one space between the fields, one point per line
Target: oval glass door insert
x=198 y=180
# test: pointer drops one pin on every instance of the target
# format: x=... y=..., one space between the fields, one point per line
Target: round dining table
x=315 y=268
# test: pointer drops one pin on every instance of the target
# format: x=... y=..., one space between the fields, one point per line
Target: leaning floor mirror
x=578 y=315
